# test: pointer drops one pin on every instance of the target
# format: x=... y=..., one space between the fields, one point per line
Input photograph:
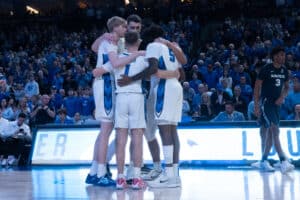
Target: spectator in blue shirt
x=211 y=77
x=296 y=114
x=246 y=89
x=86 y=103
x=71 y=103
x=56 y=99
x=31 y=87
x=197 y=98
x=62 y=117
x=293 y=98
x=229 y=115
x=7 y=111
x=195 y=82
x=188 y=92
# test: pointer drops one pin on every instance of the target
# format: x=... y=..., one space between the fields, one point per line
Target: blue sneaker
x=105 y=181
x=91 y=179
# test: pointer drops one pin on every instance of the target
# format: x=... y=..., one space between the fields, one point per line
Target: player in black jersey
x=271 y=88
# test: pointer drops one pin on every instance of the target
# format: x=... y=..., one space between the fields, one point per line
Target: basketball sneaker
x=145 y=169
x=91 y=179
x=162 y=181
x=178 y=181
x=277 y=165
x=129 y=175
x=105 y=181
x=286 y=166
x=138 y=183
x=153 y=174
x=265 y=166
x=121 y=183
x=256 y=165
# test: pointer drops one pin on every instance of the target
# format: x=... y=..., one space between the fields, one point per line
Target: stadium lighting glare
x=126 y=2
x=32 y=10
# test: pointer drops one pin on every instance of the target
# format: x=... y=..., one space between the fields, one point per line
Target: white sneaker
x=4 y=162
x=129 y=173
x=178 y=181
x=277 y=165
x=153 y=174
x=162 y=181
x=11 y=160
x=256 y=165
x=286 y=166
x=265 y=166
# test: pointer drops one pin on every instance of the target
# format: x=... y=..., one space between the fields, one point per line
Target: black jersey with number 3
x=273 y=81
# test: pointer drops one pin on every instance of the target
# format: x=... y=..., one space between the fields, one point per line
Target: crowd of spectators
x=48 y=68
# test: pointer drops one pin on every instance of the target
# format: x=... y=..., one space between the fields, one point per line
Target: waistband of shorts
x=129 y=93
x=98 y=78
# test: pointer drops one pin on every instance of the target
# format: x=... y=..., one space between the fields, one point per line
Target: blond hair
x=114 y=22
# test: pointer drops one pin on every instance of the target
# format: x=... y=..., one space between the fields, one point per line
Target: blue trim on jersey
x=160 y=97
x=127 y=67
x=107 y=88
x=105 y=58
x=161 y=63
x=160 y=89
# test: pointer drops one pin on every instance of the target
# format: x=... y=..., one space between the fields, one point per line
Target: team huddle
x=120 y=103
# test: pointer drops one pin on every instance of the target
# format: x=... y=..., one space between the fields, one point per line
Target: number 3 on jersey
x=277 y=82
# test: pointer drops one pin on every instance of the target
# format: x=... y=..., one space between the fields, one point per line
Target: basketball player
x=168 y=104
x=271 y=88
x=129 y=114
x=103 y=88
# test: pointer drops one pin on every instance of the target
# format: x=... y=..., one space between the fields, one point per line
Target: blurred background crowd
x=46 y=59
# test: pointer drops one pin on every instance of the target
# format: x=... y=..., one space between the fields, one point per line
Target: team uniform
x=273 y=82
x=104 y=95
x=103 y=87
x=168 y=99
x=168 y=94
x=130 y=107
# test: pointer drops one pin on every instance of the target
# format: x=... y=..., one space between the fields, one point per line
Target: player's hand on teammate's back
x=124 y=80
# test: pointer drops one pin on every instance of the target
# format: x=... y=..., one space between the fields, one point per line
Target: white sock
x=136 y=172
x=176 y=169
x=131 y=164
x=168 y=153
x=94 y=168
x=157 y=166
x=170 y=171
x=101 y=170
x=121 y=176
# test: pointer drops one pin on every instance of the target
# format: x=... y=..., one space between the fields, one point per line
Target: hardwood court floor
x=197 y=184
